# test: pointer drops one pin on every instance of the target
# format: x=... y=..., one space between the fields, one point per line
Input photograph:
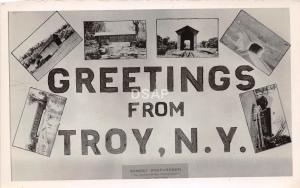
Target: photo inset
x=187 y=38
x=255 y=42
x=39 y=122
x=115 y=40
x=265 y=118
x=46 y=46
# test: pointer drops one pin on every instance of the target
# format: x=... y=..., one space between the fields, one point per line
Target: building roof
x=114 y=33
x=186 y=28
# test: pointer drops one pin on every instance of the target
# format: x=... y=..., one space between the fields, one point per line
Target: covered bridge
x=108 y=37
x=186 y=35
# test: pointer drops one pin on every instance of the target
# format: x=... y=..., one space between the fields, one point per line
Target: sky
x=207 y=28
x=48 y=28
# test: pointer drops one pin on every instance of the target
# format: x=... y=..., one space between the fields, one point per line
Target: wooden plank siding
x=117 y=38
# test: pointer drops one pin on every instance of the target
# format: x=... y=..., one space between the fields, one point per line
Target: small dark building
x=56 y=39
x=186 y=33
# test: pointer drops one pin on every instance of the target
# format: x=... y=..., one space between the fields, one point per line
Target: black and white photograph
x=39 y=122
x=254 y=42
x=265 y=118
x=115 y=39
x=148 y=94
x=46 y=46
x=187 y=38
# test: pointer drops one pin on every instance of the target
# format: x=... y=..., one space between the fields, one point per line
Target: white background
x=102 y=111
x=232 y=182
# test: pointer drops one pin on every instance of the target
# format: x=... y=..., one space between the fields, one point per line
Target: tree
x=213 y=42
x=142 y=31
x=166 y=40
x=203 y=44
x=93 y=27
x=136 y=26
x=159 y=41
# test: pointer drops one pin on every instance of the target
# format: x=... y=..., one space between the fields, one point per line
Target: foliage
x=93 y=27
x=164 y=44
x=140 y=30
x=213 y=42
x=210 y=43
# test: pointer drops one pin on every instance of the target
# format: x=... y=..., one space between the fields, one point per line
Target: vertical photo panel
x=39 y=122
x=265 y=118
